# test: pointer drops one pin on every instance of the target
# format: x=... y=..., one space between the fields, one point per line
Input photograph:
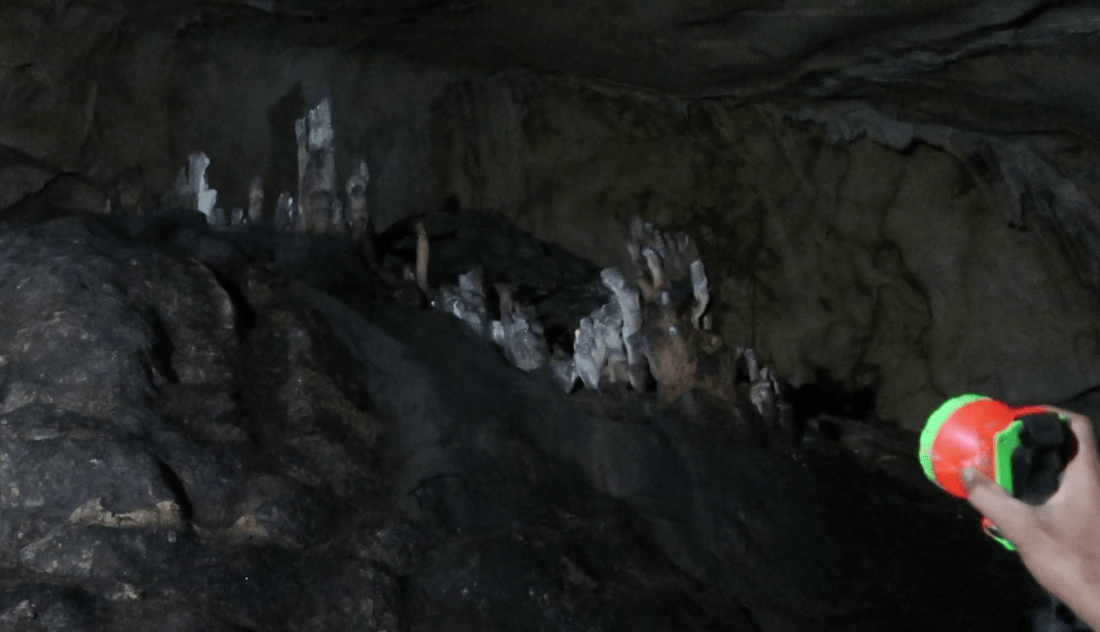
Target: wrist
x=1081 y=591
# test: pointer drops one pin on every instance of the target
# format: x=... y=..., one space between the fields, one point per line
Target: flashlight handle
x=1046 y=446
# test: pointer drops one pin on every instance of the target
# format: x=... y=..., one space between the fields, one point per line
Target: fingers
x=1014 y=518
x=1079 y=424
x=1081 y=477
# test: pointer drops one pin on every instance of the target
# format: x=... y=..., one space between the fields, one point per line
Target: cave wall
x=882 y=260
x=898 y=261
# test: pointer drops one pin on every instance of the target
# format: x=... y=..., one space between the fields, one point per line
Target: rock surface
x=224 y=430
x=203 y=432
x=810 y=173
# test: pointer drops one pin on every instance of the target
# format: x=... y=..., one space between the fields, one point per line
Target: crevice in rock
x=179 y=490
x=830 y=396
x=162 y=349
x=244 y=316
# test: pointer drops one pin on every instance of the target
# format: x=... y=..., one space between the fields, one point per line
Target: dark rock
x=249 y=442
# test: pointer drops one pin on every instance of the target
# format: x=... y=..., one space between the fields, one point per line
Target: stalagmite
x=338 y=224
x=320 y=208
x=301 y=224
x=192 y=189
x=521 y=334
x=238 y=217
x=701 y=291
x=762 y=394
x=565 y=372
x=467 y=301
x=630 y=309
x=256 y=200
x=656 y=268
x=285 y=213
x=588 y=353
x=616 y=368
x=752 y=367
x=316 y=169
x=356 y=190
x=422 y=254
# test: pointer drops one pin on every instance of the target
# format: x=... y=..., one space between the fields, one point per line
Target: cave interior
x=501 y=315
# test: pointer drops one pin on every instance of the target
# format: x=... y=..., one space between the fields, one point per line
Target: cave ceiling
x=1011 y=66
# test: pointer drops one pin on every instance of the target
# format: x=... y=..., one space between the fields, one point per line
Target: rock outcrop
x=210 y=429
x=228 y=407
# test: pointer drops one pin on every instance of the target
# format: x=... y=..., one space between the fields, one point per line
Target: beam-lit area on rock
x=549 y=316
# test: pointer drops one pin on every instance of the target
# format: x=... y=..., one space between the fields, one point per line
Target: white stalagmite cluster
x=663 y=261
x=654 y=328
x=519 y=332
x=645 y=330
x=320 y=207
x=616 y=344
x=467 y=301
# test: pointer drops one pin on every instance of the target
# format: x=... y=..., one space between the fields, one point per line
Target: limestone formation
x=663 y=326
x=316 y=169
x=192 y=190
x=701 y=291
x=519 y=332
x=630 y=310
x=565 y=372
x=286 y=213
x=256 y=200
x=338 y=224
x=423 y=253
x=238 y=217
x=356 y=191
x=467 y=301
x=589 y=352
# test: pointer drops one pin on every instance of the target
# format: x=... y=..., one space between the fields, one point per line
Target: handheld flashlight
x=1023 y=449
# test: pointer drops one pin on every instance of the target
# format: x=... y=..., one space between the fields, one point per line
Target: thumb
x=1014 y=518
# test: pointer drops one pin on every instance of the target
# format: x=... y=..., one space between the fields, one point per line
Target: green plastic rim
x=932 y=428
x=1005 y=443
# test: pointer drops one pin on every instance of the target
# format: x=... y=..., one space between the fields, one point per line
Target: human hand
x=1058 y=541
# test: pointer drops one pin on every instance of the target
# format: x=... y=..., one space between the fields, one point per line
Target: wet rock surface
x=212 y=429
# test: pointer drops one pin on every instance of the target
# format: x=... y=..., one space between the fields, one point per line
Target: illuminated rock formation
x=286 y=213
x=256 y=200
x=467 y=301
x=356 y=191
x=316 y=170
x=192 y=191
x=520 y=333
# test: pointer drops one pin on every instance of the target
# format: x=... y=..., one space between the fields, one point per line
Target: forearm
x=1077 y=585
